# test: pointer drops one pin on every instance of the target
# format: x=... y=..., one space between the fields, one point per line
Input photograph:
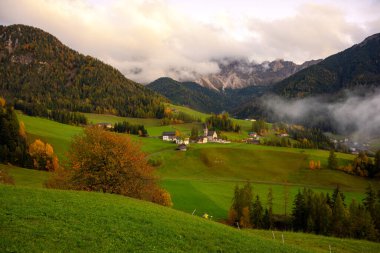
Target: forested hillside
x=355 y=67
x=39 y=73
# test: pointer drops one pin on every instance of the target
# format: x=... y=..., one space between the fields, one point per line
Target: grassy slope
x=26 y=177
x=203 y=178
x=57 y=134
x=52 y=221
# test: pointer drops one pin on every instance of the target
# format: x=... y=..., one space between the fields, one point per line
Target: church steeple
x=205 y=130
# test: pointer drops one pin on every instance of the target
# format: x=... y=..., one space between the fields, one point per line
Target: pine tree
x=339 y=218
x=370 y=200
x=269 y=208
x=332 y=161
x=257 y=213
x=299 y=212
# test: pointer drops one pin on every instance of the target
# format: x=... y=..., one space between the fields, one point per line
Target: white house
x=168 y=136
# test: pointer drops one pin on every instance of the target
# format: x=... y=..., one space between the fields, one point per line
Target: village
x=207 y=137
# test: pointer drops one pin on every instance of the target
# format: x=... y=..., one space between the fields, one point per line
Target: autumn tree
x=103 y=161
x=43 y=156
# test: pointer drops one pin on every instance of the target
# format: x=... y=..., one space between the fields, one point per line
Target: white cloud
x=147 y=39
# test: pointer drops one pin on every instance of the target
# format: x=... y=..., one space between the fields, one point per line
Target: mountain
x=189 y=94
x=203 y=99
x=357 y=67
x=241 y=73
x=38 y=72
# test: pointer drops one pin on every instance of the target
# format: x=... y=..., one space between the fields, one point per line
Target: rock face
x=241 y=73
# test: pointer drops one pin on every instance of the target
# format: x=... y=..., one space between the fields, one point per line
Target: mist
x=353 y=114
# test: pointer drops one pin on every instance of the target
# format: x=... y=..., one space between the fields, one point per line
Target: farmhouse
x=212 y=136
x=202 y=139
x=105 y=125
x=168 y=136
x=182 y=141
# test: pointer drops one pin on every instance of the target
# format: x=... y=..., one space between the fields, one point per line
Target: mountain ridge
x=39 y=73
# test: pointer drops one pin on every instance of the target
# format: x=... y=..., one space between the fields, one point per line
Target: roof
x=211 y=133
x=168 y=134
x=182 y=147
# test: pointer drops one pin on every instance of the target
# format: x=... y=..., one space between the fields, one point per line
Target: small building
x=202 y=139
x=185 y=141
x=105 y=125
x=212 y=136
x=182 y=147
x=169 y=136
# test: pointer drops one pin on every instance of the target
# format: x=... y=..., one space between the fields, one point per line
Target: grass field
x=57 y=134
x=203 y=178
x=41 y=220
x=56 y=221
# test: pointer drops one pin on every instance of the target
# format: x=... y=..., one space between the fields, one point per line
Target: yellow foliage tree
x=311 y=165
x=43 y=156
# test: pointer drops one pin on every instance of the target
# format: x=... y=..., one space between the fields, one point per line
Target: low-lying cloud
x=354 y=115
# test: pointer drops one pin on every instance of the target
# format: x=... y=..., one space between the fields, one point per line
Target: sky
x=148 y=39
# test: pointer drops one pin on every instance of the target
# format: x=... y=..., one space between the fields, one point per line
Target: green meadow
x=45 y=220
x=203 y=178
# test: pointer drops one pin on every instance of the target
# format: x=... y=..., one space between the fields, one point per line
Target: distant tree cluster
x=99 y=160
x=62 y=116
x=126 y=127
x=312 y=212
x=247 y=211
x=309 y=138
x=260 y=127
x=222 y=122
x=277 y=142
x=363 y=166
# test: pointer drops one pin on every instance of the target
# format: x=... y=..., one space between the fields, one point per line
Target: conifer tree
x=339 y=218
x=332 y=161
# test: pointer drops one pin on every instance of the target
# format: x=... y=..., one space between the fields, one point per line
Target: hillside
x=38 y=72
x=355 y=67
x=203 y=99
x=51 y=221
x=55 y=221
x=204 y=177
x=189 y=94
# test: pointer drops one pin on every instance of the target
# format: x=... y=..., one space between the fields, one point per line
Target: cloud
x=147 y=39
x=354 y=114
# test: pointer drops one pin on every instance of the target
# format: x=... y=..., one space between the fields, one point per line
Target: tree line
x=126 y=127
x=222 y=122
x=362 y=165
x=312 y=212
x=62 y=116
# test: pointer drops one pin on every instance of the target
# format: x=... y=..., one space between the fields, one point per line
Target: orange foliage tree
x=43 y=156
x=99 y=160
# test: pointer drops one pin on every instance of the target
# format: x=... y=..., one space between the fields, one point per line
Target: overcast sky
x=147 y=39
